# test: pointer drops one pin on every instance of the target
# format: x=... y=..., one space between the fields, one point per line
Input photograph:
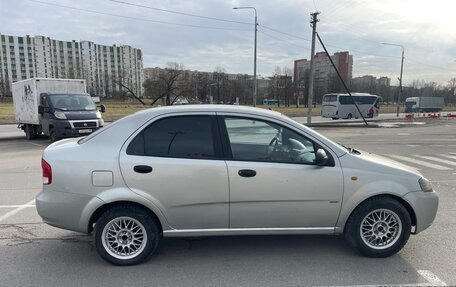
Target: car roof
x=208 y=108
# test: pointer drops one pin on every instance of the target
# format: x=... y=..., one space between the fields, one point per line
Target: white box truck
x=57 y=108
x=423 y=104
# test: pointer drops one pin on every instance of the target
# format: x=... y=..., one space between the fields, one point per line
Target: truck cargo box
x=26 y=95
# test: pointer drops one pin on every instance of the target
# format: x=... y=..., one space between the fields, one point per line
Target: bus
x=270 y=102
x=340 y=106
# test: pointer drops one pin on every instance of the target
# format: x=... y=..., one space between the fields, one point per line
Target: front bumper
x=68 y=128
x=66 y=210
x=425 y=205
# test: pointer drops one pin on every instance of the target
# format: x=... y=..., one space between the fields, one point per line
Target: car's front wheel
x=126 y=235
x=379 y=227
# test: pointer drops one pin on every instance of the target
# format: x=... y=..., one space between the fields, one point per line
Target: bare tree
x=219 y=78
x=168 y=84
x=287 y=84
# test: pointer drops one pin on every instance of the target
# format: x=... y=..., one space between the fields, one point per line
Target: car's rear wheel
x=30 y=132
x=379 y=227
x=126 y=235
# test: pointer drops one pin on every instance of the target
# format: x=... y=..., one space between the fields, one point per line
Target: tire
x=349 y=116
x=136 y=235
x=372 y=217
x=53 y=136
x=30 y=132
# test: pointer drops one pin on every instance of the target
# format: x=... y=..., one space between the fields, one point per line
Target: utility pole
x=399 y=97
x=313 y=24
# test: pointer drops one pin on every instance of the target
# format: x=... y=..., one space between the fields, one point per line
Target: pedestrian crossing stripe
x=419 y=162
x=449 y=156
x=453 y=163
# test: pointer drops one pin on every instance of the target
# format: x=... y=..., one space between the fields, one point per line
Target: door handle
x=142 y=168
x=247 y=173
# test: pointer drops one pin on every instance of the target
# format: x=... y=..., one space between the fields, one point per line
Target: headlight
x=425 y=185
x=98 y=115
x=60 y=115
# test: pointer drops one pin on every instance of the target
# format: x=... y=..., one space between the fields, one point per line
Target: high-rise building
x=325 y=77
x=103 y=67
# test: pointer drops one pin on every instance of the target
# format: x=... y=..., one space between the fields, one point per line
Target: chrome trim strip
x=247 y=231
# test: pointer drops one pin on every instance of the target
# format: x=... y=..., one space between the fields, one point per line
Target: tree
x=287 y=84
x=219 y=78
x=168 y=84
x=451 y=90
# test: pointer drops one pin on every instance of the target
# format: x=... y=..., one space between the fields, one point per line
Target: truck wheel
x=379 y=227
x=126 y=235
x=30 y=132
x=53 y=136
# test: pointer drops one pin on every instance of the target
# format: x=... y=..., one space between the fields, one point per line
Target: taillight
x=47 y=172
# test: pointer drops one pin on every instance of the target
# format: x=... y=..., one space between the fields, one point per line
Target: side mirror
x=321 y=158
x=43 y=109
x=102 y=108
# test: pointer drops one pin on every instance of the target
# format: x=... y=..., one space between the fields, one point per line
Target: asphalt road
x=34 y=254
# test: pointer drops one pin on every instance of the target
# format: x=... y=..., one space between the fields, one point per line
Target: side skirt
x=247 y=231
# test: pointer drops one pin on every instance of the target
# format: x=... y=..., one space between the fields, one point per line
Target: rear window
x=330 y=98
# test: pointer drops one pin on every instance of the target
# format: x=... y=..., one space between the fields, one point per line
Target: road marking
x=413 y=145
x=35 y=144
x=419 y=162
x=16 y=206
x=431 y=278
x=14 y=211
x=403 y=134
x=453 y=163
x=449 y=156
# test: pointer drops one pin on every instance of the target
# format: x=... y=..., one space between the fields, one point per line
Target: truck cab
x=64 y=115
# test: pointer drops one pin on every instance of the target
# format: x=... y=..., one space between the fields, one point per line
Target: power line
x=136 y=18
x=282 y=40
x=284 y=33
x=429 y=65
x=221 y=28
x=181 y=13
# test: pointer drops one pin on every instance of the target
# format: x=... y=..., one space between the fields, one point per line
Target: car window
x=257 y=140
x=181 y=137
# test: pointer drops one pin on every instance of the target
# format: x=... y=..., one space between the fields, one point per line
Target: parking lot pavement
x=35 y=254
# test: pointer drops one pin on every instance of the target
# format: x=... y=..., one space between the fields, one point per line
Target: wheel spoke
x=124 y=237
x=380 y=228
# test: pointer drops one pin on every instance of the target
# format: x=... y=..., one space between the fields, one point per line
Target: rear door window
x=180 y=137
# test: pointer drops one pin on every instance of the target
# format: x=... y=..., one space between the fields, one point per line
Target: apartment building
x=103 y=67
x=325 y=77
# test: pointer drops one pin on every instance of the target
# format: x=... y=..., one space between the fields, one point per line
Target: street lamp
x=400 y=78
x=254 y=56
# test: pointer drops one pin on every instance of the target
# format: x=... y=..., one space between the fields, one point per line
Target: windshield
x=72 y=102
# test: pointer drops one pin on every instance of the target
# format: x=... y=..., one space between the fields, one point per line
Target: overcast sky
x=425 y=28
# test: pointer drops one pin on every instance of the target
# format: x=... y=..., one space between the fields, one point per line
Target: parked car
x=210 y=170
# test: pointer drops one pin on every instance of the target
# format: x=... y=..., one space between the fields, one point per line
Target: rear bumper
x=425 y=205
x=66 y=210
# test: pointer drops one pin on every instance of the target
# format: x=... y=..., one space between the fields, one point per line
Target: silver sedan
x=224 y=170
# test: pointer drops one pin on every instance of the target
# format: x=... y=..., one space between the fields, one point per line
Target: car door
x=176 y=161
x=45 y=116
x=274 y=181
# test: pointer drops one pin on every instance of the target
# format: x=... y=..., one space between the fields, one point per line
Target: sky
x=206 y=34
